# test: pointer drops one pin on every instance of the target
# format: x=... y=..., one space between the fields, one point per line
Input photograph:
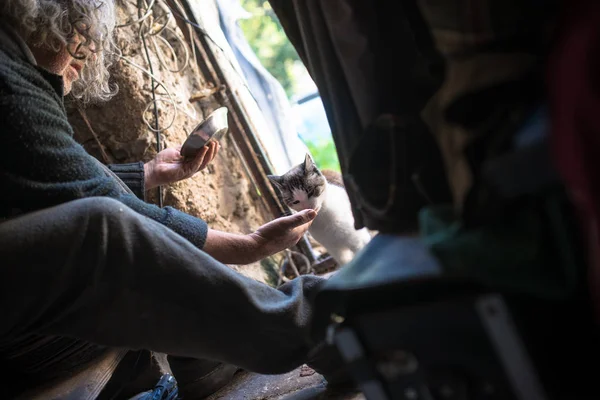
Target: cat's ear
x=276 y=181
x=309 y=164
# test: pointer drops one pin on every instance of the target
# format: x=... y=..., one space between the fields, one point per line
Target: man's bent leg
x=96 y=270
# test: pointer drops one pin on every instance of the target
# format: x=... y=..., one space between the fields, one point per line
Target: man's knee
x=74 y=215
x=99 y=213
x=101 y=205
x=103 y=224
x=98 y=207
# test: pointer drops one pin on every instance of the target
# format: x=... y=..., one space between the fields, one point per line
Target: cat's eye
x=296 y=202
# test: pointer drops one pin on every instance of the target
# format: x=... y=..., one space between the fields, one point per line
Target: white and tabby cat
x=305 y=186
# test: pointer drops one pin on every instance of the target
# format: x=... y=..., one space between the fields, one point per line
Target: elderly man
x=89 y=268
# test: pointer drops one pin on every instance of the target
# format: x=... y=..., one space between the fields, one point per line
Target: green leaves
x=268 y=40
x=324 y=154
x=274 y=50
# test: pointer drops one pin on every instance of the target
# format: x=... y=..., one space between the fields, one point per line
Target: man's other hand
x=169 y=165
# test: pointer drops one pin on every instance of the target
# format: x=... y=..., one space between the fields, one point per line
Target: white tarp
x=268 y=107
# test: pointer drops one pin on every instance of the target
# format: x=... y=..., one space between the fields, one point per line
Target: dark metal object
x=407 y=331
x=325 y=265
x=466 y=349
x=212 y=128
x=307 y=98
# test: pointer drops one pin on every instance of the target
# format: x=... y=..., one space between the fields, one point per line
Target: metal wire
x=153 y=24
x=153 y=19
x=156 y=120
x=141 y=19
x=289 y=256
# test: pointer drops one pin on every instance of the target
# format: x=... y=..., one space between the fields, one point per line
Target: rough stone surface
x=222 y=194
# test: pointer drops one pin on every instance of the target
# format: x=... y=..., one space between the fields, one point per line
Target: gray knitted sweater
x=41 y=165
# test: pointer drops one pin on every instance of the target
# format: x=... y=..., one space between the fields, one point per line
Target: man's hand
x=269 y=239
x=169 y=165
x=282 y=233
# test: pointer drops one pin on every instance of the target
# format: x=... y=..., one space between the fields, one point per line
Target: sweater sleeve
x=132 y=175
x=41 y=165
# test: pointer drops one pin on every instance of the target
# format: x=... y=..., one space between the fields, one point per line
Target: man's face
x=61 y=63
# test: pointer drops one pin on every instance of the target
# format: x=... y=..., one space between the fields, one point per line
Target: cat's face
x=302 y=187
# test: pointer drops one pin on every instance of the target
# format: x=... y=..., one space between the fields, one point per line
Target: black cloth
x=101 y=273
x=391 y=164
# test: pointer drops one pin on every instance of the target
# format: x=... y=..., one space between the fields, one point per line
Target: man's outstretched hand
x=271 y=238
x=169 y=165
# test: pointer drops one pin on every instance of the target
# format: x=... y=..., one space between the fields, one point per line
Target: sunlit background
x=268 y=40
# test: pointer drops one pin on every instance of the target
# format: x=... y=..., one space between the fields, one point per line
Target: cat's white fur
x=334 y=226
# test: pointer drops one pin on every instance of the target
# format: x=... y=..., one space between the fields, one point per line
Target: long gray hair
x=53 y=24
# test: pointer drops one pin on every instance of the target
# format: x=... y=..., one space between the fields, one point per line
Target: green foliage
x=268 y=40
x=274 y=50
x=270 y=267
x=324 y=154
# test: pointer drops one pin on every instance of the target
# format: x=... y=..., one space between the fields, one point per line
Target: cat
x=305 y=186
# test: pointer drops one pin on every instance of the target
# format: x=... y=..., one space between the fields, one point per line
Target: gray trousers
x=95 y=271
